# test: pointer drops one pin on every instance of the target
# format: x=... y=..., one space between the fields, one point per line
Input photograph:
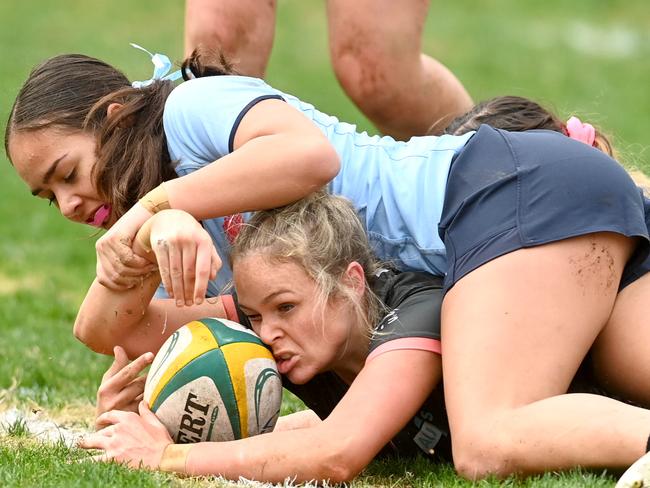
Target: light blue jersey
x=386 y=180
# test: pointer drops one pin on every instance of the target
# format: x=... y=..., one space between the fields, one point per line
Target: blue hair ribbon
x=161 y=67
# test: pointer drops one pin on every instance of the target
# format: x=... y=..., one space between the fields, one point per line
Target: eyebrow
x=265 y=300
x=48 y=174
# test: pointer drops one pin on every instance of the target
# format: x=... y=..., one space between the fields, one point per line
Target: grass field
x=587 y=57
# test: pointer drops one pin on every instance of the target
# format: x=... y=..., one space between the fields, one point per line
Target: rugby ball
x=214 y=380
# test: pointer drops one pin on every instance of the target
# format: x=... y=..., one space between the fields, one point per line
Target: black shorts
x=511 y=190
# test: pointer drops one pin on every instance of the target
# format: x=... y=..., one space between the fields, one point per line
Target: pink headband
x=580 y=132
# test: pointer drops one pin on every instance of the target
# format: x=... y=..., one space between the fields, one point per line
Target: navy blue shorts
x=511 y=190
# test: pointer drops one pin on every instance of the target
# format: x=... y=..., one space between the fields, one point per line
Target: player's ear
x=114 y=110
x=355 y=278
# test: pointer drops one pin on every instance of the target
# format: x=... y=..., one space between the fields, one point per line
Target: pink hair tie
x=580 y=132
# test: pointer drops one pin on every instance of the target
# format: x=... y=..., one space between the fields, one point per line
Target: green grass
x=29 y=464
x=587 y=57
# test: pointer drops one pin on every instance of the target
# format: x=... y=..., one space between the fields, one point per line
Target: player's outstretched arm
x=381 y=400
x=297 y=420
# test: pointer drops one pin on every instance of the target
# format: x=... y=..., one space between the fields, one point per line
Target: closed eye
x=70 y=177
x=254 y=317
x=49 y=196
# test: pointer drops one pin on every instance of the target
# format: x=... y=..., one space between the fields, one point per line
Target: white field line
x=40 y=426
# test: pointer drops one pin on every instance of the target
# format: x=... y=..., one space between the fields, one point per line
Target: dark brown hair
x=516 y=114
x=73 y=92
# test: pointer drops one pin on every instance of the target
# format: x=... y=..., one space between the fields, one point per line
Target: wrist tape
x=174 y=458
x=156 y=200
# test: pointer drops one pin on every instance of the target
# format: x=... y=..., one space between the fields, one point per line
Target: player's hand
x=122 y=385
x=138 y=440
x=118 y=267
x=185 y=253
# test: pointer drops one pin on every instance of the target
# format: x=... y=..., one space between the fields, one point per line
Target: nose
x=269 y=331
x=69 y=205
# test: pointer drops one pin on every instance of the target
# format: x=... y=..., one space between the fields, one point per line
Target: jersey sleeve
x=201 y=116
x=413 y=320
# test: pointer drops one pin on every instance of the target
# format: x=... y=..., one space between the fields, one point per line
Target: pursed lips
x=285 y=361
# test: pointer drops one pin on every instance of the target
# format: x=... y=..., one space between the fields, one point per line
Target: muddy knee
x=480 y=452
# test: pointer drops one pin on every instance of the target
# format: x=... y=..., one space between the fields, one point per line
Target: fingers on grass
x=97 y=440
x=88 y=458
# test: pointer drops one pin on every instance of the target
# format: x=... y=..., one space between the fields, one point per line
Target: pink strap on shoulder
x=416 y=343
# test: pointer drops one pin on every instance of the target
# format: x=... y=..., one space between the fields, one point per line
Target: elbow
x=85 y=334
x=339 y=471
x=324 y=165
x=79 y=329
x=344 y=462
x=331 y=165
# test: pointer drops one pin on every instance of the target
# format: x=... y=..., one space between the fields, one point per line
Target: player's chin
x=300 y=375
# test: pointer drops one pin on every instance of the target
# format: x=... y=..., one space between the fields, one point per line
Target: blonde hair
x=323 y=235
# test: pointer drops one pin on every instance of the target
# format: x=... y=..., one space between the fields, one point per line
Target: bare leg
x=242 y=29
x=514 y=332
x=621 y=356
x=376 y=49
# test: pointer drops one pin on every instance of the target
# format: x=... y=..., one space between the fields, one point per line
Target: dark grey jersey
x=413 y=303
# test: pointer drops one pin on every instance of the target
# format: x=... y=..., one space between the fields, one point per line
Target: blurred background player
x=376 y=53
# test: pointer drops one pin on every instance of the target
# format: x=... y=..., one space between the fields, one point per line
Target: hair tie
x=188 y=74
x=161 y=66
x=580 y=132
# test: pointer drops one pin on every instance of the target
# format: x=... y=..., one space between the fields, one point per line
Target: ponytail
x=204 y=62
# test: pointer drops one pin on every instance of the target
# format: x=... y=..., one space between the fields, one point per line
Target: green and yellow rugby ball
x=214 y=380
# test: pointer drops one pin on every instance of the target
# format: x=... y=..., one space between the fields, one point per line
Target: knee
x=228 y=40
x=364 y=73
x=480 y=453
x=245 y=41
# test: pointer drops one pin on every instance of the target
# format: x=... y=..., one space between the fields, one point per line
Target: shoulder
x=393 y=287
x=413 y=303
x=202 y=115
x=210 y=88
